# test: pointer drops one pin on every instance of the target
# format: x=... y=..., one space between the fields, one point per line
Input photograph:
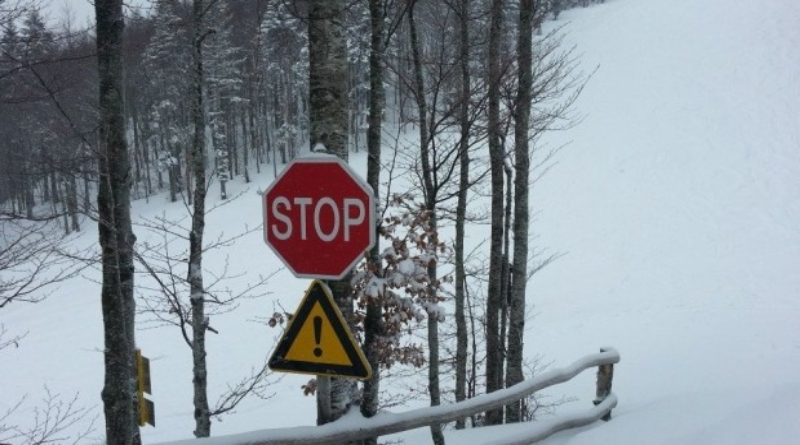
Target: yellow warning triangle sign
x=318 y=341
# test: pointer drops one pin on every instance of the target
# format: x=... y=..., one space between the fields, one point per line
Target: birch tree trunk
x=522 y=107
x=116 y=235
x=494 y=352
x=328 y=126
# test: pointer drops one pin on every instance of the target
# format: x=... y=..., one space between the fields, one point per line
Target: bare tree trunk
x=505 y=281
x=30 y=200
x=64 y=208
x=473 y=382
x=148 y=190
x=190 y=162
x=136 y=150
x=328 y=119
x=45 y=186
x=54 y=193
x=245 y=144
x=430 y=202
x=328 y=76
x=373 y=325
x=195 y=276
x=116 y=236
x=173 y=172
x=221 y=144
x=287 y=119
x=494 y=353
x=461 y=210
x=255 y=139
x=254 y=81
x=72 y=202
x=54 y=186
x=522 y=109
x=87 y=204
x=232 y=140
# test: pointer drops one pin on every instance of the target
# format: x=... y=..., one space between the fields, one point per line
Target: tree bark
x=30 y=200
x=72 y=202
x=522 y=109
x=245 y=144
x=328 y=76
x=54 y=185
x=505 y=274
x=136 y=149
x=430 y=193
x=87 y=204
x=494 y=352
x=328 y=126
x=116 y=235
x=373 y=326
x=195 y=274
x=461 y=210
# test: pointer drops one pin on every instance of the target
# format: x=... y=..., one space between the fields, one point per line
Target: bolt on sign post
x=317 y=340
x=319 y=217
x=147 y=410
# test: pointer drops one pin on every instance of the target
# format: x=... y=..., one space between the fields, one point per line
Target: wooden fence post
x=605 y=375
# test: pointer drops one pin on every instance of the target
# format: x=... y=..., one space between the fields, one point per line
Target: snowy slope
x=677 y=205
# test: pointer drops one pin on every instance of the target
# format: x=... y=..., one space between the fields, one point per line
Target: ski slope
x=676 y=204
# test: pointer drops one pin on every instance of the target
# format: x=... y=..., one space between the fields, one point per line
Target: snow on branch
x=353 y=426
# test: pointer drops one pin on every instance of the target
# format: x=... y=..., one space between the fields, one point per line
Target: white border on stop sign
x=323 y=158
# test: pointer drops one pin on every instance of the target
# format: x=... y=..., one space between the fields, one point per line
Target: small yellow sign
x=318 y=341
x=147 y=411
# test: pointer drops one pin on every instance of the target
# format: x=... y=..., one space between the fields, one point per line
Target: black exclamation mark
x=318 y=335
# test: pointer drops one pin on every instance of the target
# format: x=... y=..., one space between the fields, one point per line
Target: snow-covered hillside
x=676 y=204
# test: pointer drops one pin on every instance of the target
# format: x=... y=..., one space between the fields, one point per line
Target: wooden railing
x=355 y=427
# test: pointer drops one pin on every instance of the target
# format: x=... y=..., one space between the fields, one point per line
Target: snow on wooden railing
x=353 y=426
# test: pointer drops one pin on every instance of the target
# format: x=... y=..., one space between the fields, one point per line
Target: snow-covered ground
x=676 y=204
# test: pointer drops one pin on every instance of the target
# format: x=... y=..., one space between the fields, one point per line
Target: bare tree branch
x=53 y=421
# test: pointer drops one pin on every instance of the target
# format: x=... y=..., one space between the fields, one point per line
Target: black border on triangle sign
x=318 y=292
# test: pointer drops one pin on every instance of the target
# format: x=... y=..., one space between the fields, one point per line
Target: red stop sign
x=319 y=217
